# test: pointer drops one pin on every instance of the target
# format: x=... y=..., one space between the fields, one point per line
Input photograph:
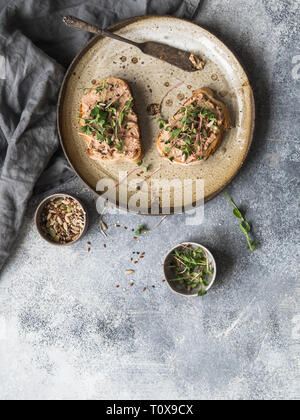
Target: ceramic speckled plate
x=150 y=80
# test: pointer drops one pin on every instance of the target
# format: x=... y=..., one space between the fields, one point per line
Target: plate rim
x=119 y=25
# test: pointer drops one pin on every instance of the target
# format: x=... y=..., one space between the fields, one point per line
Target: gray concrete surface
x=66 y=331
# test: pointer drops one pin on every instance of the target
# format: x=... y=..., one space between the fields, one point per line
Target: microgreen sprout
x=141 y=229
x=107 y=122
x=191 y=268
x=196 y=125
x=244 y=225
x=162 y=123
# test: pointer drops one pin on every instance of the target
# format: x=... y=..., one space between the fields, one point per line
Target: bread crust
x=122 y=158
x=226 y=125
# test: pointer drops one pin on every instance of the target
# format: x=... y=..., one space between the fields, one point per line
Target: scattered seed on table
x=131 y=284
x=117 y=286
x=163 y=281
x=135 y=262
x=144 y=289
x=104 y=245
x=135 y=237
x=128 y=272
x=103 y=225
x=89 y=249
x=89 y=243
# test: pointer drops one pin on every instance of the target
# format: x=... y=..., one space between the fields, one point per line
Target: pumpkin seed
x=52 y=232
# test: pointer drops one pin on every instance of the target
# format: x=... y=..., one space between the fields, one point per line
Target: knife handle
x=74 y=22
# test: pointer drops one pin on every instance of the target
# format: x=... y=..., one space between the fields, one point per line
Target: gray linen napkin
x=35 y=49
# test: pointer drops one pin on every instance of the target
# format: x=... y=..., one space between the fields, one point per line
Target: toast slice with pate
x=195 y=131
x=108 y=122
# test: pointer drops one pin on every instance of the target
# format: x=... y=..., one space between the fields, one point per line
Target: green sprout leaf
x=119 y=146
x=141 y=229
x=244 y=226
x=175 y=132
x=243 y=229
x=162 y=123
x=86 y=129
x=102 y=87
x=237 y=213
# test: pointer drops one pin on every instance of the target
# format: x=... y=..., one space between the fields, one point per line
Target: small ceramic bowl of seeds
x=61 y=219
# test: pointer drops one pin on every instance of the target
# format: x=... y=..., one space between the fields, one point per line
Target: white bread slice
x=208 y=95
x=131 y=136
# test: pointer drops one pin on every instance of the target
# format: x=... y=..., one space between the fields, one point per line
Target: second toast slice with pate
x=195 y=131
x=108 y=123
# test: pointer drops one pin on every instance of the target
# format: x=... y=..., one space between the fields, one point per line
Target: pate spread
x=188 y=135
x=108 y=122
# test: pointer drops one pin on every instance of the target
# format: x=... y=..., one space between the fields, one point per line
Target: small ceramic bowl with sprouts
x=190 y=269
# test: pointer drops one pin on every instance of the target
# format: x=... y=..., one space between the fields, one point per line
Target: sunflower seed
x=103 y=225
